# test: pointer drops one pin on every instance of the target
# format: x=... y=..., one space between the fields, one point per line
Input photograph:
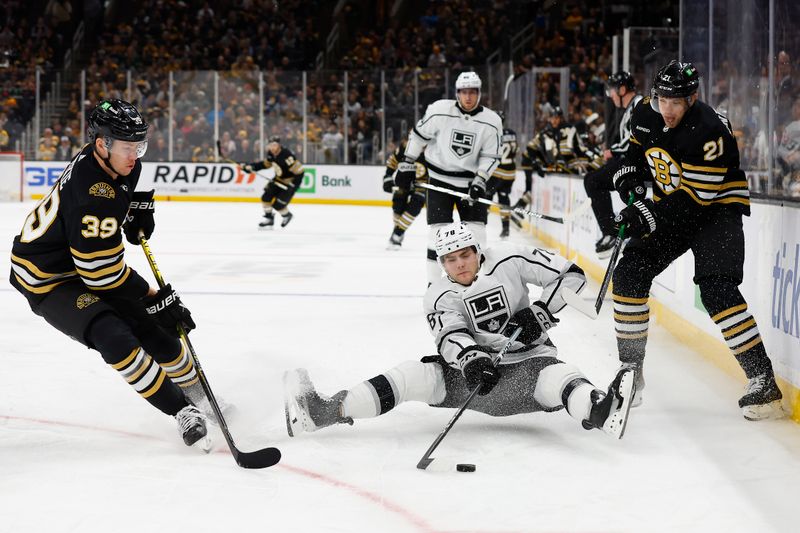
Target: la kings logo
x=489 y=310
x=461 y=143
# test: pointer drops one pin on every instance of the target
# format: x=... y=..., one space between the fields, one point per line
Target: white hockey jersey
x=460 y=316
x=457 y=144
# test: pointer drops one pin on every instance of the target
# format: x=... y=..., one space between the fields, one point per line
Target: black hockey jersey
x=557 y=149
x=74 y=233
x=692 y=166
x=507 y=169
x=288 y=170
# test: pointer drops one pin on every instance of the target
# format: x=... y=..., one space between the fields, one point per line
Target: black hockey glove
x=639 y=218
x=477 y=187
x=537 y=166
x=388 y=182
x=480 y=370
x=534 y=321
x=140 y=216
x=167 y=309
x=627 y=181
x=406 y=172
x=247 y=167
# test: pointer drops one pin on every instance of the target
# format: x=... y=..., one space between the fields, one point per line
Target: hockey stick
x=427 y=459
x=465 y=196
x=258 y=459
x=571 y=297
x=241 y=168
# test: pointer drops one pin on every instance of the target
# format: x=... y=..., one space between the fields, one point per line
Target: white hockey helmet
x=454 y=237
x=468 y=80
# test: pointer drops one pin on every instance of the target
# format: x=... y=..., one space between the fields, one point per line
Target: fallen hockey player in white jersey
x=471 y=313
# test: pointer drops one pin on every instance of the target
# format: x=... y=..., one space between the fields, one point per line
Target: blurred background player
x=503 y=178
x=461 y=142
x=621 y=89
x=68 y=262
x=471 y=318
x=406 y=203
x=279 y=192
x=687 y=151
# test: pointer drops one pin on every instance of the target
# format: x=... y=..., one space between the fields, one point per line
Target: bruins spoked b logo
x=489 y=310
x=461 y=142
x=85 y=300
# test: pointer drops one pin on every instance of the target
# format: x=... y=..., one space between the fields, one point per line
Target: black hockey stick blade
x=263 y=458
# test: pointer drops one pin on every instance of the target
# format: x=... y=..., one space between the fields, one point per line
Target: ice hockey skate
x=306 y=409
x=610 y=411
x=395 y=241
x=638 y=387
x=286 y=219
x=192 y=427
x=604 y=246
x=268 y=222
x=762 y=399
x=504 y=232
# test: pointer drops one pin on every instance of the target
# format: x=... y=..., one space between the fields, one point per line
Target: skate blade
x=393 y=247
x=295 y=384
x=773 y=410
x=616 y=423
x=605 y=254
x=266 y=228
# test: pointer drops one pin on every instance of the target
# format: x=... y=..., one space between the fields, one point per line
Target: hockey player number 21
x=712 y=149
x=41 y=217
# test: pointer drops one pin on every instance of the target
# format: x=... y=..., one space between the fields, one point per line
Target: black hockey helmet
x=117 y=120
x=621 y=78
x=676 y=80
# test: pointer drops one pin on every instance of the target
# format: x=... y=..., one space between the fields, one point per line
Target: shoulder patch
x=103 y=190
x=85 y=300
x=646 y=100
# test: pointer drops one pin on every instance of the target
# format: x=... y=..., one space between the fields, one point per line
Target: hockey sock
x=408 y=381
x=632 y=319
x=181 y=369
x=563 y=384
x=405 y=220
x=741 y=334
x=283 y=211
x=116 y=343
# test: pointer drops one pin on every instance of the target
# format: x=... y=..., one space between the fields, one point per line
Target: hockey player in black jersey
x=471 y=313
x=406 y=203
x=621 y=89
x=688 y=152
x=68 y=261
x=503 y=177
x=279 y=192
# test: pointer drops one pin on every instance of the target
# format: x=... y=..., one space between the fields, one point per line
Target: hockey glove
x=388 y=183
x=247 y=167
x=140 y=217
x=534 y=321
x=537 y=166
x=627 y=180
x=406 y=172
x=639 y=218
x=477 y=188
x=479 y=370
x=167 y=309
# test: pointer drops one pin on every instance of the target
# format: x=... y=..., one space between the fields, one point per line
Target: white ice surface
x=80 y=451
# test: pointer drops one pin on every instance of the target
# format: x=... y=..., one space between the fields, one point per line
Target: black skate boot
x=504 y=231
x=604 y=246
x=286 y=219
x=192 y=427
x=268 y=222
x=395 y=240
x=610 y=410
x=306 y=409
x=762 y=398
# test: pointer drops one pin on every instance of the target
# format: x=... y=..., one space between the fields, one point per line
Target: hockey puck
x=463 y=467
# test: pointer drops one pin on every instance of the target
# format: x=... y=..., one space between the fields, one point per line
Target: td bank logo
x=309 y=184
